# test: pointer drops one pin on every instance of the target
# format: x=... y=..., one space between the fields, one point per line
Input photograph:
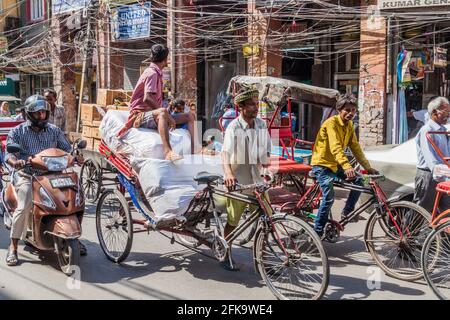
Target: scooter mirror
x=13 y=148
x=82 y=144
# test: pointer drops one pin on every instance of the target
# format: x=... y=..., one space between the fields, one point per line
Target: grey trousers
x=22 y=213
x=425 y=192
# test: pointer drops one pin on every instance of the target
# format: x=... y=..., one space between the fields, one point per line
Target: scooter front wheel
x=68 y=253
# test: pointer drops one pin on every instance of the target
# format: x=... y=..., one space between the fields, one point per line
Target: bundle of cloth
x=168 y=186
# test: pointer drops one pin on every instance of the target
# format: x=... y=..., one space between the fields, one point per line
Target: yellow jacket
x=333 y=137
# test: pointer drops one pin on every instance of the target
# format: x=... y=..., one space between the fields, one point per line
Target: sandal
x=172 y=156
x=11 y=258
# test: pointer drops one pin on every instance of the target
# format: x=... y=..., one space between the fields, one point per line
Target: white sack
x=142 y=143
x=170 y=186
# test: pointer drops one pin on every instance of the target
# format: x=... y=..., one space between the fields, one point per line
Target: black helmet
x=36 y=103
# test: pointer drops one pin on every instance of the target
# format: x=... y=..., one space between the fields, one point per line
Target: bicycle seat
x=206 y=177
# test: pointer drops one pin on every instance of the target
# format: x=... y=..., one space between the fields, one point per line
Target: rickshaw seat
x=290 y=168
x=443 y=187
x=281 y=165
x=280 y=195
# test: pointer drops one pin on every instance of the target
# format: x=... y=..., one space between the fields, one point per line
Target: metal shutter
x=131 y=72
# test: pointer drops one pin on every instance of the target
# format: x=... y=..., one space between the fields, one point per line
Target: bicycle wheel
x=435 y=261
x=114 y=225
x=291 y=260
x=91 y=180
x=396 y=247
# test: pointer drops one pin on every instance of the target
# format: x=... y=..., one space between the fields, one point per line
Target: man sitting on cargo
x=146 y=108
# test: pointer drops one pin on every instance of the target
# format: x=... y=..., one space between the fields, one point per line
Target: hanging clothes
x=402 y=117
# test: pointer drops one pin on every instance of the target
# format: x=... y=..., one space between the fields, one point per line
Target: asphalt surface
x=157 y=269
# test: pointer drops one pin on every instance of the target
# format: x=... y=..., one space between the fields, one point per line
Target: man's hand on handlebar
x=230 y=182
x=350 y=173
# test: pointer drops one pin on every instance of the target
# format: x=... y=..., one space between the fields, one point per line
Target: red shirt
x=149 y=81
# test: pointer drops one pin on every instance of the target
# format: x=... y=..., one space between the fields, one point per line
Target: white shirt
x=247 y=149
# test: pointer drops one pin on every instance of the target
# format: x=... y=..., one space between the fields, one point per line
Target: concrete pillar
x=63 y=59
x=268 y=62
x=185 y=52
x=372 y=78
x=110 y=60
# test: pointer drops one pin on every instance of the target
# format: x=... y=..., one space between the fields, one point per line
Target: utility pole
x=87 y=53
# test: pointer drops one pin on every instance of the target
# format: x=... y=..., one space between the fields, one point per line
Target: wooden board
x=89 y=112
x=106 y=96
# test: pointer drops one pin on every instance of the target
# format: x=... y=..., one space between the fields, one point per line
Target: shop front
x=418 y=54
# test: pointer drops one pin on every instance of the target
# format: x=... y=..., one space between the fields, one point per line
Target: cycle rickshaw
x=287 y=253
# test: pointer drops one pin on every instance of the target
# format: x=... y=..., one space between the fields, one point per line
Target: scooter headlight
x=56 y=163
x=46 y=199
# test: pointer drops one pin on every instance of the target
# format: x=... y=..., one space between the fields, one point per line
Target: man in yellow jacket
x=329 y=160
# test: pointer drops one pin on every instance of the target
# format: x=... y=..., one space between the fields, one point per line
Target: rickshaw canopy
x=277 y=89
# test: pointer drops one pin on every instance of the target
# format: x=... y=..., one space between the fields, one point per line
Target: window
x=36 y=9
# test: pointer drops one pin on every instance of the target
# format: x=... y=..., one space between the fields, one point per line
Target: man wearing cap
x=246 y=148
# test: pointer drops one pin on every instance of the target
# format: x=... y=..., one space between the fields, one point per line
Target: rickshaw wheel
x=434 y=260
x=91 y=180
x=114 y=225
x=290 y=258
x=398 y=255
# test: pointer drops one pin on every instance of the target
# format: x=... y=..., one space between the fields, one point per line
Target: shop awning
x=9 y=98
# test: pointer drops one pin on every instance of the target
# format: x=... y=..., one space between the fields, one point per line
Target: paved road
x=158 y=270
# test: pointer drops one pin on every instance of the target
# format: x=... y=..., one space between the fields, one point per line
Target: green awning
x=7 y=87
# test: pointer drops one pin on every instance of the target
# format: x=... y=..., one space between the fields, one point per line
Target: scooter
x=58 y=204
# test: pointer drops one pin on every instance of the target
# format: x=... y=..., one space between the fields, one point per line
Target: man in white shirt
x=246 y=148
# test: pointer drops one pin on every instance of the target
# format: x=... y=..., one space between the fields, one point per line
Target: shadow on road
x=348 y=286
x=140 y=264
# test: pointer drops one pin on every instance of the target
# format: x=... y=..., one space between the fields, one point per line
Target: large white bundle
x=170 y=186
x=141 y=143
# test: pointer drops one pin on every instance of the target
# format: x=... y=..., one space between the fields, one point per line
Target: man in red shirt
x=146 y=104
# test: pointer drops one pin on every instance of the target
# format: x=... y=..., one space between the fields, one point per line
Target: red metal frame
x=119 y=161
x=7 y=125
x=439 y=191
x=283 y=133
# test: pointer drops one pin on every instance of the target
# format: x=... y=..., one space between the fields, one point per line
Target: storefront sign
x=400 y=4
x=66 y=6
x=440 y=57
x=131 y=22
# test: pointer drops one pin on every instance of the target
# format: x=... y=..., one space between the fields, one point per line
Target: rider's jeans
x=325 y=177
x=24 y=205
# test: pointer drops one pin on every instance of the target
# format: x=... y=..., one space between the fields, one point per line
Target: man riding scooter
x=33 y=136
